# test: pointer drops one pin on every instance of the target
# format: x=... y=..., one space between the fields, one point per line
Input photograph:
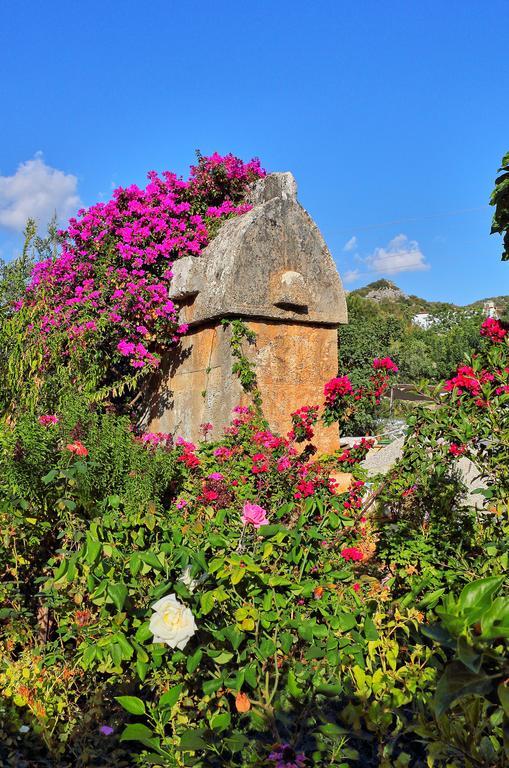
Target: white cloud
x=400 y=255
x=351 y=276
x=351 y=245
x=36 y=191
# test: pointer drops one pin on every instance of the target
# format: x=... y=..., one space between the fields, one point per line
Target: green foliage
x=370 y=333
x=380 y=329
x=500 y=199
x=475 y=628
x=243 y=367
x=346 y=629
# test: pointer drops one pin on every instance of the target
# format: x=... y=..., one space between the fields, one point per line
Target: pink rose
x=254 y=514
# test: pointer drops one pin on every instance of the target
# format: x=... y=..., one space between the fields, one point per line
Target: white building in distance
x=424 y=320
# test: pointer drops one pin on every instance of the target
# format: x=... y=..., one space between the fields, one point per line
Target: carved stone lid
x=272 y=262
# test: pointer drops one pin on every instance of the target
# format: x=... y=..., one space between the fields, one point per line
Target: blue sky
x=392 y=116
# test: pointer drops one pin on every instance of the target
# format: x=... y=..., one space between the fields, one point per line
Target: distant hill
x=386 y=293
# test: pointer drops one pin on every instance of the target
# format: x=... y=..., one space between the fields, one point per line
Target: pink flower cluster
x=268 y=440
x=468 y=381
x=187 y=453
x=157 y=438
x=355 y=454
x=493 y=330
x=303 y=421
x=337 y=388
x=48 y=419
x=340 y=395
x=77 y=448
x=260 y=464
x=352 y=553
x=385 y=364
x=112 y=276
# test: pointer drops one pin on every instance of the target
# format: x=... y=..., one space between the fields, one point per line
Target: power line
x=442 y=215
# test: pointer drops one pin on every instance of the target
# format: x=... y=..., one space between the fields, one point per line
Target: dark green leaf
x=131 y=704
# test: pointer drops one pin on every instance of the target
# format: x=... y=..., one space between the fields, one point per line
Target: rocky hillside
x=389 y=295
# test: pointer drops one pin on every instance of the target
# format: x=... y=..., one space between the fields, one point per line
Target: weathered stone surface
x=344 y=480
x=381 y=461
x=271 y=267
x=271 y=262
x=292 y=363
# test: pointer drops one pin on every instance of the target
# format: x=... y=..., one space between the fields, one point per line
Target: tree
x=500 y=199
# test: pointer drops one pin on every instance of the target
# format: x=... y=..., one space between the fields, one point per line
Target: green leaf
x=347 y=621
x=126 y=647
x=211 y=686
x=220 y=722
x=131 y=704
x=118 y=593
x=170 y=698
x=431 y=599
x=468 y=656
x=456 y=682
x=234 y=636
x=306 y=632
x=192 y=740
x=141 y=669
x=293 y=688
x=329 y=690
x=503 y=695
x=223 y=657
x=267 y=648
x=143 y=632
x=370 y=630
x=207 y=601
x=93 y=549
x=438 y=634
x=238 y=574
x=47 y=479
x=134 y=563
x=479 y=592
x=331 y=729
x=236 y=742
x=194 y=661
x=495 y=621
x=151 y=559
x=139 y=732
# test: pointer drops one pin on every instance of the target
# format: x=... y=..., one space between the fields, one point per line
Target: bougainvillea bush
x=241 y=602
x=101 y=307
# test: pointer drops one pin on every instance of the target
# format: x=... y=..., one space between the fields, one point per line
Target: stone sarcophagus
x=271 y=268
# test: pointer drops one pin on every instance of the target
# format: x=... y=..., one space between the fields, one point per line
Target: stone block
x=270 y=267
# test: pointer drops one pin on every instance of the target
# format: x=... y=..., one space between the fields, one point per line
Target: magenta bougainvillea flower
x=385 y=363
x=493 y=330
x=109 y=284
x=336 y=388
x=48 y=419
x=352 y=553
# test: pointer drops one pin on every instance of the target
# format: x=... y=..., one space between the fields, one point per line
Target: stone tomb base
x=292 y=362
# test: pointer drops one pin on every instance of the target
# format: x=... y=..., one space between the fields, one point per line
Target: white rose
x=187 y=580
x=172 y=622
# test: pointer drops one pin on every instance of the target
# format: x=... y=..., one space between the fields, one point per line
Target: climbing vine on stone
x=243 y=367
